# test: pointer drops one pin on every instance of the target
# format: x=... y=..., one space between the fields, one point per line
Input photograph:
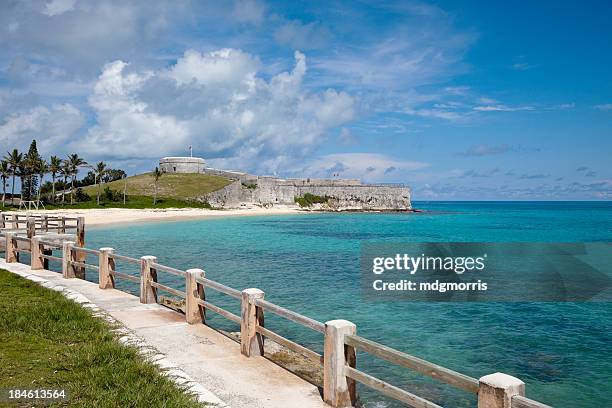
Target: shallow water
x=310 y=264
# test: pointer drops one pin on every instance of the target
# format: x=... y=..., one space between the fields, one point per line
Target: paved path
x=208 y=357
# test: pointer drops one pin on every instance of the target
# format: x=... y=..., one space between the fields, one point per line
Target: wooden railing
x=340 y=341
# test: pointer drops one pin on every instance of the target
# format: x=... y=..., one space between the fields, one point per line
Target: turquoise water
x=310 y=263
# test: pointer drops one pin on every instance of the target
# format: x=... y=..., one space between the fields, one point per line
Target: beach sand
x=106 y=216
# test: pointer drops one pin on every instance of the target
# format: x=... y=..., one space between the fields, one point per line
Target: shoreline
x=97 y=217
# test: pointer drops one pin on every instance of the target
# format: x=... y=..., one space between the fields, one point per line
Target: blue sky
x=460 y=100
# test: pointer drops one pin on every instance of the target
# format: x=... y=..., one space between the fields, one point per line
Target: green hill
x=185 y=187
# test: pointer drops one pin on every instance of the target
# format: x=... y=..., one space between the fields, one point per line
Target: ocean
x=310 y=263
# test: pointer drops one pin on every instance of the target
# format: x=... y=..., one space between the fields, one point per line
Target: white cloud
x=302 y=36
x=364 y=166
x=250 y=11
x=502 y=108
x=605 y=106
x=225 y=66
x=216 y=102
x=53 y=127
x=57 y=7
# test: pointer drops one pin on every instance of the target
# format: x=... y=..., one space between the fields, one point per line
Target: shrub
x=112 y=195
x=81 y=196
x=250 y=186
x=307 y=200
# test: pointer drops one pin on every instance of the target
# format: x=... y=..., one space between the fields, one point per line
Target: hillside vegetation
x=185 y=187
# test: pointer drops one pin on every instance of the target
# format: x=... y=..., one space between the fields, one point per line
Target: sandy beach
x=106 y=216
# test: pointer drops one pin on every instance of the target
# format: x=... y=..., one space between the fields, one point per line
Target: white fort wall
x=182 y=164
x=249 y=189
x=344 y=194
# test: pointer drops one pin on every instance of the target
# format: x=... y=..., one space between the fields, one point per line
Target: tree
x=65 y=174
x=30 y=171
x=75 y=162
x=100 y=170
x=41 y=169
x=5 y=172
x=14 y=160
x=55 y=167
x=156 y=176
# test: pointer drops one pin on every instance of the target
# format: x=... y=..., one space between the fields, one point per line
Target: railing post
x=61 y=225
x=31 y=227
x=251 y=342
x=1 y=219
x=496 y=390
x=67 y=258
x=193 y=291
x=11 y=255
x=44 y=223
x=106 y=266
x=36 y=249
x=14 y=221
x=80 y=232
x=148 y=294
x=338 y=390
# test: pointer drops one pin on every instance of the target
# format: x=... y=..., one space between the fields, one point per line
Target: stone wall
x=344 y=195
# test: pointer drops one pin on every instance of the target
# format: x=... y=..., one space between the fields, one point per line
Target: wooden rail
x=340 y=340
x=432 y=370
x=519 y=401
x=389 y=390
x=290 y=315
x=168 y=289
x=228 y=315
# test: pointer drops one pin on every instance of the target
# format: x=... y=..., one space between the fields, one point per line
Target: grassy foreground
x=47 y=341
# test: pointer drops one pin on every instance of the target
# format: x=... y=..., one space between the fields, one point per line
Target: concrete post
x=106 y=265
x=496 y=390
x=14 y=222
x=338 y=390
x=44 y=224
x=1 y=219
x=67 y=258
x=36 y=250
x=193 y=291
x=11 y=255
x=61 y=225
x=251 y=342
x=148 y=294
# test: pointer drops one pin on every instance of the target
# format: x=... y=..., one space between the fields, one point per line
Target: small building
x=182 y=164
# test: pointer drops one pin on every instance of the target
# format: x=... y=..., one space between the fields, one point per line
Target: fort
x=336 y=194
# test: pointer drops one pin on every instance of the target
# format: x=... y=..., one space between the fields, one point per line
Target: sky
x=473 y=100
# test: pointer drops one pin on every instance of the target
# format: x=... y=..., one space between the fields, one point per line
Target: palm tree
x=5 y=172
x=41 y=169
x=55 y=167
x=14 y=160
x=156 y=176
x=75 y=162
x=100 y=170
x=65 y=171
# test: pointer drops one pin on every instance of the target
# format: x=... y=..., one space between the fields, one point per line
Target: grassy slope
x=177 y=186
x=47 y=341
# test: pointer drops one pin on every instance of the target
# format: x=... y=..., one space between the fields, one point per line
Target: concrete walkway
x=208 y=357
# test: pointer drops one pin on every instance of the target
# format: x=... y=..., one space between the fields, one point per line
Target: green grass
x=184 y=187
x=47 y=341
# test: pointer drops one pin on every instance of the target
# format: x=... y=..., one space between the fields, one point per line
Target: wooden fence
x=340 y=340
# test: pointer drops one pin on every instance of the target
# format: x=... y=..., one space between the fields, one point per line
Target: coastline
x=117 y=216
